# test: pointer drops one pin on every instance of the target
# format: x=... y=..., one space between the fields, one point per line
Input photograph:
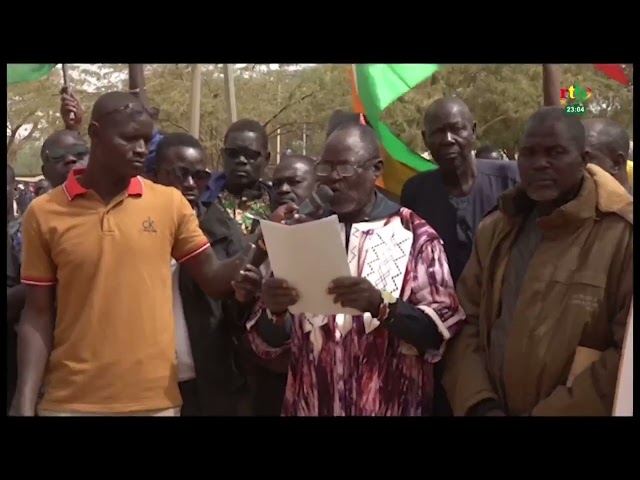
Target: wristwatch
x=384 y=310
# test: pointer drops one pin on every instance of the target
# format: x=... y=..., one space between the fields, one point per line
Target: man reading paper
x=380 y=362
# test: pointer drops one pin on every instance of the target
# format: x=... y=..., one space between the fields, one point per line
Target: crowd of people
x=139 y=285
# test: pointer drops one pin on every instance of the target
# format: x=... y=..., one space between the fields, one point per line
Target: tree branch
x=28 y=136
x=16 y=129
x=289 y=124
x=176 y=125
x=497 y=119
x=289 y=105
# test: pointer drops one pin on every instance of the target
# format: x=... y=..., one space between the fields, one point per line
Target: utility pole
x=196 y=83
x=278 y=134
x=230 y=93
x=304 y=139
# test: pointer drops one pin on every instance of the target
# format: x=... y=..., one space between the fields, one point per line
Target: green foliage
x=502 y=97
x=298 y=102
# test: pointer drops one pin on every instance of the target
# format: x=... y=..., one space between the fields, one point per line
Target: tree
x=502 y=97
x=33 y=107
x=296 y=102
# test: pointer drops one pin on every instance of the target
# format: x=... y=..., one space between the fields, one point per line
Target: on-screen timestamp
x=574 y=109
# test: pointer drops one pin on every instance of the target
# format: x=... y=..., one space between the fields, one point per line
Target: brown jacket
x=576 y=293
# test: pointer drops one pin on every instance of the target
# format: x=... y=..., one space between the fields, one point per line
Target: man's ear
x=619 y=162
x=267 y=158
x=93 y=130
x=378 y=168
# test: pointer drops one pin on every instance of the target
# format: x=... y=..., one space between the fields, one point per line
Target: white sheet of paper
x=308 y=256
x=623 y=405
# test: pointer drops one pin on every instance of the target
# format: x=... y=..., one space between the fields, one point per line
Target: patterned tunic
x=343 y=365
x=245 y=211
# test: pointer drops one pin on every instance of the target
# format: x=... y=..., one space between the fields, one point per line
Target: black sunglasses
x=195 y=173
x=235 y=153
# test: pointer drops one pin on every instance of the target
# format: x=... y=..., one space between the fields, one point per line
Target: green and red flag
x=614 y=71
x=27 y=72
x=375 y=86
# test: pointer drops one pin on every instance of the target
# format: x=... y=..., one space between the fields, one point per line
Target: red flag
x=613 y=71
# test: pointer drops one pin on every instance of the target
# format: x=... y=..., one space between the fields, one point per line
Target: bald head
x=350 y=165
x=361 y=139
x=446 y=106
x=293 y=180
x=607 y=145
x=339 y=118
x=557 y=115
x=112 y=104
x=58 y=139
x=450 y=133
x=551 y=157
x=605 y=134
x=293 y=158
x=121 y=130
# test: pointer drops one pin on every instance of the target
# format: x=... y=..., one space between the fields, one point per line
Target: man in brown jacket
x=548 y=287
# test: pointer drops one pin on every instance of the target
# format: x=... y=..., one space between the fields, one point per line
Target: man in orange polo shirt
x=100 y=245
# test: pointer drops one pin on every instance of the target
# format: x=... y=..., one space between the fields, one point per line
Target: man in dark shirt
x=60 y=152
x=238 y=190
x=456 y=196
x=293 y=182
x=244 y=198
x=209 y=381
x=489 y=152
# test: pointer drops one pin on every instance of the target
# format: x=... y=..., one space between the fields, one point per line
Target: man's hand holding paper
x=308 y=257
x=357 y=293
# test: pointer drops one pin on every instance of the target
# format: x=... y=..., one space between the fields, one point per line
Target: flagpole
x=196 y=83
x=65 y=84
x=230 y=93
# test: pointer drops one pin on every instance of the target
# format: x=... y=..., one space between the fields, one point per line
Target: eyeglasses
x=233 y=153
x=195 y=173
x=343 y=169
x=79 y=152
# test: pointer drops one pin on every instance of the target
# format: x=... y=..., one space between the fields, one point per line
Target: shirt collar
x=72 y=187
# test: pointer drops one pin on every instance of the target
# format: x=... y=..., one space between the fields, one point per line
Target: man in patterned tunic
x=379 y=363
x=239 y=190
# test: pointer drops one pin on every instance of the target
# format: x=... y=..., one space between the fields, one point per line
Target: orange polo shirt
x=114 y=342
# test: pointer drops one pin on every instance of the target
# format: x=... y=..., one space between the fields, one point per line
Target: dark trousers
x=190 y=400
x=269 y=390
x=441 y=406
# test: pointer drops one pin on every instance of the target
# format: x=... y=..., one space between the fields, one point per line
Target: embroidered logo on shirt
x=147 y=226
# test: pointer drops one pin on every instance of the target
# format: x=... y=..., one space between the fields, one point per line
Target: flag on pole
x=375 y=86
x=27 y=72
x=613 y=71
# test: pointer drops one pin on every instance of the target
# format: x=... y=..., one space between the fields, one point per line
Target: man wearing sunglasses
x=209 y=377
x=60 y=152
x=99 y=246
x=238 y=190
x=378 y=363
